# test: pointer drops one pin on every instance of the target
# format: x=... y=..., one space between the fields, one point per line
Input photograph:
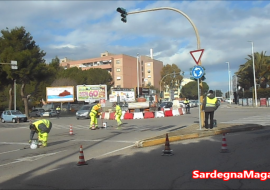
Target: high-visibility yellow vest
x=210 y=102
x=44 y=121
x=118 y=110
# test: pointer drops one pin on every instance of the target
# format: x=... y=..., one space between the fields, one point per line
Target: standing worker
x=118 y=114
x=95 y=111
x=58 y=110
x=210 y=105
x=42 y=127
x=187 y=105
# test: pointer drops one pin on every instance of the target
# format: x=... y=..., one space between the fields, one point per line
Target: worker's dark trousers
x=211 y=119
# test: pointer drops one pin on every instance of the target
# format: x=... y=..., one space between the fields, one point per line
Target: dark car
x=84 y=111
x=37 y=112
x=165 y=105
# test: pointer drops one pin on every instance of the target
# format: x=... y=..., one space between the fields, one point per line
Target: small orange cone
x=224 y=148
x=70 y=130
x=167 y=151
x=81 y=158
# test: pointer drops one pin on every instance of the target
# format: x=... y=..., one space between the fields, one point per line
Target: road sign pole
x=200 y=104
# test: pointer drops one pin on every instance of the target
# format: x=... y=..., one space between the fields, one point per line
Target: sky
x=84 y=29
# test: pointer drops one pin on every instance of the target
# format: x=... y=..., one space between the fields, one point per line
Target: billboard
x=91 y=92
x=60 y=94
x=126 y=94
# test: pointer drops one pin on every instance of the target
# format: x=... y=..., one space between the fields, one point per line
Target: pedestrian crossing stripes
x=260 y=120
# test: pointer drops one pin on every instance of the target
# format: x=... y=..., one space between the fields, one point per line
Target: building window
x=149 y=76
x=118 y=86
x=117 y=61
x=149 y=71
x=118 y=78
x=118 y=70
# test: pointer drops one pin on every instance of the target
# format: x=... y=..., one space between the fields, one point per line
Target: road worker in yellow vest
x=209 y=106
x=95 y=111
x=118 y=114
x=42 y=128
x=187 y=105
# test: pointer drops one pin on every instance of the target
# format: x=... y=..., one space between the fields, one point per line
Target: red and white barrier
x=175 y=112
x=148 y=115
x=138 y=115
x=159 y=114
x=128 y=115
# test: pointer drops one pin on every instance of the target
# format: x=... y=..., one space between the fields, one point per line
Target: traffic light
x=123 y=13
x=203 y=78
x=161 y=94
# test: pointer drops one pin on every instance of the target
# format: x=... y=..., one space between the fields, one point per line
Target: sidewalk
x=193 y=131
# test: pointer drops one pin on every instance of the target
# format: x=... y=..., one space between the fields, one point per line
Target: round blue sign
x=197 y=72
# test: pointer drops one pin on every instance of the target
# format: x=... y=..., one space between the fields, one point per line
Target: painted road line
x=114 y=151
x=10 y=151
x=14 y=143
x=99 y=140
x=33 y=158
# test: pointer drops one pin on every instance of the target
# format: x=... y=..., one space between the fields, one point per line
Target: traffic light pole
x=201 y=114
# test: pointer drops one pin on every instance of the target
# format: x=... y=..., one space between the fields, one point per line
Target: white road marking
x=106 y=141
x=114 y=151
x=10 y=151
x=14 y=143
x=33 y=158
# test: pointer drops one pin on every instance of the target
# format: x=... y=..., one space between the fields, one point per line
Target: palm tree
x=262 y=71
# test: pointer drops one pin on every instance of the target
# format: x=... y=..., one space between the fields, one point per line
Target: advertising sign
x=60 y=94
x=91 y=92
x=125 y=94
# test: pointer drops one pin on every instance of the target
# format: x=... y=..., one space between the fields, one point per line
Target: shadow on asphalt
x=147 y=169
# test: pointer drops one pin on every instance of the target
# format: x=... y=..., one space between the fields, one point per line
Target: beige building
x=123 y=69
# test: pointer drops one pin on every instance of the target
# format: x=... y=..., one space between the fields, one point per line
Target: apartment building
x=123 y=69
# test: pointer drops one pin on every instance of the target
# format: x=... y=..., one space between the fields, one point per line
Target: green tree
x=190 y=90
x=171 y=76
x=17 y=44
x=262 y=71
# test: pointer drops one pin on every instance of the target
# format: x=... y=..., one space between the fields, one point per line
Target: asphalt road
x=106 y=149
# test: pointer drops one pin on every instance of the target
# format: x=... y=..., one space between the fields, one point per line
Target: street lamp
x=162 y=80
x=229 y=73
x=138 y=82
x=255 y=87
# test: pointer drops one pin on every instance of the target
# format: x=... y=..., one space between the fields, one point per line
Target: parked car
x=228 y=100
x=165 y=105
x=49 y=113
x=12 y=116
x=37 y=112
x=194 y=103
x=84 y=111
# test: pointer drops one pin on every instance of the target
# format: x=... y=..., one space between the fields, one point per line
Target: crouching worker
x=42 y=128
x=95 y=112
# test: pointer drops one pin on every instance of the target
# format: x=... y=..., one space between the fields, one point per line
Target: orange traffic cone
x=81 y=158
x=224 y=148
x=70 y=130
x=167 y=151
